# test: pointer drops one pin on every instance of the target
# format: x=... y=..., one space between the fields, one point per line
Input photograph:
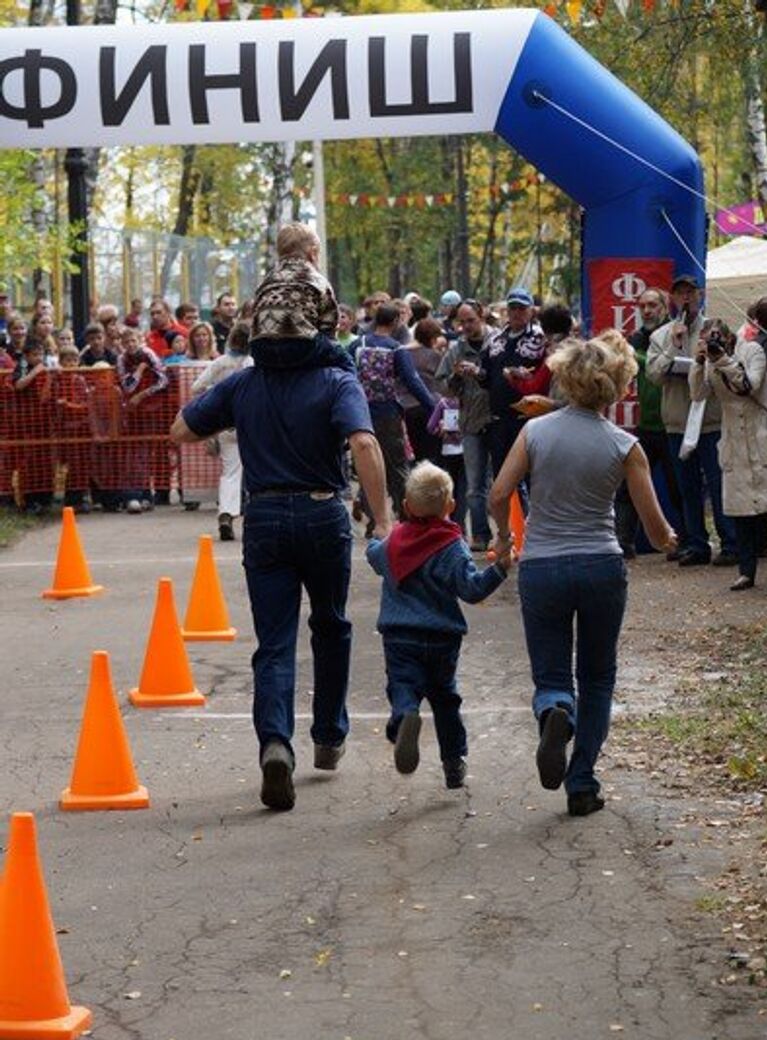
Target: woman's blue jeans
x=575 y=603
x=290 y=542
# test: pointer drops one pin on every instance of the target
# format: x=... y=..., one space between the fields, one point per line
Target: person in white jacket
x=734 y=372
x=669 y=357
x=236 y=356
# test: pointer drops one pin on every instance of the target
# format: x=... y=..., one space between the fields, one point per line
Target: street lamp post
x=76 y=167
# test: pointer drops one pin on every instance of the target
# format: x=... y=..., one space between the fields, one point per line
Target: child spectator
x=17 y=337
x=295 y=312
x=143 y=381
x=444 y=423
x=427 y=568
x=177 y=346
x=96 y=346
x=33 y=462
x=106 y=424
x=72 y=428
x=41 y=332
x=64 y=338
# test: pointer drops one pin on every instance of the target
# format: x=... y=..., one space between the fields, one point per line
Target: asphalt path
x=383 y=907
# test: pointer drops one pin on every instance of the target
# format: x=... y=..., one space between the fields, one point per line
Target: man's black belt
x=321 y=493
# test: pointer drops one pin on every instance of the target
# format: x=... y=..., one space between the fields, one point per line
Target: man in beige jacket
x=669 y=358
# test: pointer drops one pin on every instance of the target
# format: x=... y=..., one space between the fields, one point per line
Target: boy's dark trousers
x=421 y=663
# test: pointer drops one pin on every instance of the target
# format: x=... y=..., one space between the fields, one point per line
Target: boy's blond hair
x=428 y=490
x=68 y=351
x=296 y=240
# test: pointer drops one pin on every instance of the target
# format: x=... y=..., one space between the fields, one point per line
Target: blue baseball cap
x=519 y=295
x=451 y=298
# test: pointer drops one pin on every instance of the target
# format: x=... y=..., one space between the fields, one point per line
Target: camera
x=715 y=346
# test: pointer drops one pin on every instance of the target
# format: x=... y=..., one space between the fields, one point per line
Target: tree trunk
x=756 y=133
x=280 y=210
x=190 y=179
x=40 y=12
x=105 y=13
x=462 y=215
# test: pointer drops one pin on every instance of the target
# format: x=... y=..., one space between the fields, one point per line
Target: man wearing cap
x=669 y=358
x=449 y=302
x=510 y=358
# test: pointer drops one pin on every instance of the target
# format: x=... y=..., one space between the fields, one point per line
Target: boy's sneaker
x=455 y=772
x=277 y=791
x=133 y=506
x=550 y=757
x=147 y=505
x=582 y=803
x=225 y=528
x=406 y=755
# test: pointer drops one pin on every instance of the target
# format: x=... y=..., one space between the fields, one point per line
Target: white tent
x=736 y=276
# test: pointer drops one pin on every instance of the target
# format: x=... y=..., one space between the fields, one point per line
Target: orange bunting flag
x=573 y=8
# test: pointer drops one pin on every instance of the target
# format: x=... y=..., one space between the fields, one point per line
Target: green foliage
x=682 y=58
x=725 y=719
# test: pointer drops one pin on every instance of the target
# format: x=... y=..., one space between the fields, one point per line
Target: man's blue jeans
x=699 y=470
x=292 y=541
x=423 y=664
x=577 y=600
x=476 y=459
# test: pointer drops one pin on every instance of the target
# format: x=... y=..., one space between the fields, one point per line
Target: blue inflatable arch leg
x=561 y=111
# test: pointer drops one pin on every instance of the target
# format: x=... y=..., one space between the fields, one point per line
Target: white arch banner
x=326 y=78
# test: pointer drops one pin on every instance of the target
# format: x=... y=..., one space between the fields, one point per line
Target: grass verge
x=13 y=525
x=714 y=743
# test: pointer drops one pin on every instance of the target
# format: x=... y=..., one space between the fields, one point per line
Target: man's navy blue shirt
x=291 y=424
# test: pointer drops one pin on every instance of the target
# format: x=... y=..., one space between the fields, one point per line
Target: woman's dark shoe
x=582 y=803
x=694 y=559
x=741 y=583
x=551 y=757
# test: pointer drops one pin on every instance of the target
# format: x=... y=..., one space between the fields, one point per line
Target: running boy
x=427 y=568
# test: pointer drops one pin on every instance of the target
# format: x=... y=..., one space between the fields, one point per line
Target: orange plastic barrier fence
x=72 y=432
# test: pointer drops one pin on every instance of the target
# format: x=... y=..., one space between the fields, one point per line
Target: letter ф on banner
x=33 y=110
x=617 y=284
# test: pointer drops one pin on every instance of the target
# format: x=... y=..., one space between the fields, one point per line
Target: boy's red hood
x=413 y=542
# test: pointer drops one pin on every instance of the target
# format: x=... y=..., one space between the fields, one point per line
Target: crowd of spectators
x=452 y=384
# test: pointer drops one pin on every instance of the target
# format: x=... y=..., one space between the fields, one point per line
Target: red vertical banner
x=615 y=286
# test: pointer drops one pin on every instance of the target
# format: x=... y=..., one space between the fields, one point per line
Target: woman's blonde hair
x=596 y=373
x=428 y=490
x=192 y=350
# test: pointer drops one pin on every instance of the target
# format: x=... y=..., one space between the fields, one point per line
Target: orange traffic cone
x=517 y=522
x=207 y=618
x=103 y=776
x=72 y=576
x=33 y=991
x=166 y=679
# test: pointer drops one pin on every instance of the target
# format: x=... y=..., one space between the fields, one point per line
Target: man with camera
x=670 y=356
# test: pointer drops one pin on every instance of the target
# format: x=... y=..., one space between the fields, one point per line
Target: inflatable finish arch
x=512 y=71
